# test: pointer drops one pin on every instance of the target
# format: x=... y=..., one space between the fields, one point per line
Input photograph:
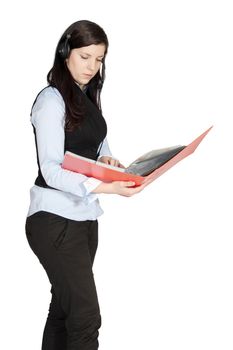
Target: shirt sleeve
x=105 y=150
x=48 y=120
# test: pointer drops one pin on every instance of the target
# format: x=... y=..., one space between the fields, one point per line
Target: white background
x=163 y=268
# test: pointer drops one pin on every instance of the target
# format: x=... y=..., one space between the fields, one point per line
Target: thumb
x=129 y=183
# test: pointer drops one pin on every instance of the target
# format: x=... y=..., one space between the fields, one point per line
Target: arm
x=123 y=188
x=105 y=150
x=48 y=119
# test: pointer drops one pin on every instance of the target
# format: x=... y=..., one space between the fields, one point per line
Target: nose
x=91 y=65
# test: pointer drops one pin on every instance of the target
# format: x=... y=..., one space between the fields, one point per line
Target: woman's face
x=84 y=62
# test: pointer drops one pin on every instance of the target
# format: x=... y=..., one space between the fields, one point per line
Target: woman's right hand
x=123 y=188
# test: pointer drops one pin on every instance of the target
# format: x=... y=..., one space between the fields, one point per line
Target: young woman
x=61 y=225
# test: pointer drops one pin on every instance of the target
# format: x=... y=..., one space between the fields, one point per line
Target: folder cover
x=108 y=173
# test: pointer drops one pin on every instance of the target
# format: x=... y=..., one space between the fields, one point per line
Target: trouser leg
x=55 y=334
x=66 y=249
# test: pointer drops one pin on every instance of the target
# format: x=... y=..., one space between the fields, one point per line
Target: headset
x=64 y=48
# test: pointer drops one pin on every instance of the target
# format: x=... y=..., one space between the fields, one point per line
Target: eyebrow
x=85 y=53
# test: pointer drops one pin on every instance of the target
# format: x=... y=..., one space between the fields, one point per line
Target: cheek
x=76 y=64
x=98 y=66
x=79 y=67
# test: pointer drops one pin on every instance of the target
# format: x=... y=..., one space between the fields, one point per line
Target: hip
x=46 y=230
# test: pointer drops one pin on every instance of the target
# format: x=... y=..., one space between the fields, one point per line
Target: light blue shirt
x=75 y=199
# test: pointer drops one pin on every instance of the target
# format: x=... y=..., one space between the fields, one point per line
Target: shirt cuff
x=90 y=184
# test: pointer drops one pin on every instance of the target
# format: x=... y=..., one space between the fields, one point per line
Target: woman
x=61 y=224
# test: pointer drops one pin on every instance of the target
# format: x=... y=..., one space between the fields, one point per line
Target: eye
x=85 y=58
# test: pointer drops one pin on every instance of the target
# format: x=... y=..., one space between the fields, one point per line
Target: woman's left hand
x=110 y=161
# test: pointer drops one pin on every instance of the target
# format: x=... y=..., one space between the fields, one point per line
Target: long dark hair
x=79 y=34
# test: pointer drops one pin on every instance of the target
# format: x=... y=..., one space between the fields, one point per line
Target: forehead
x=93 y=50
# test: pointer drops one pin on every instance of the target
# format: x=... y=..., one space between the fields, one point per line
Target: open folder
x=144 y=169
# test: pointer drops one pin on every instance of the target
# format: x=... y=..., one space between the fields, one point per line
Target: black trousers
x=66 y=249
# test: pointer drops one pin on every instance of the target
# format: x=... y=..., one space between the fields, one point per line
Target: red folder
x=104 y=173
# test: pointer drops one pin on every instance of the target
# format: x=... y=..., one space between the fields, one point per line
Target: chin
x=84 y=81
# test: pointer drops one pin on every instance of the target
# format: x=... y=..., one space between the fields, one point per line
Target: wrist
x=103 y=187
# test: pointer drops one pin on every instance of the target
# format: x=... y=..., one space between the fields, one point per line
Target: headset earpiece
x=64 y=49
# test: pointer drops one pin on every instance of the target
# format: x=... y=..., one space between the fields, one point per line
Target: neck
x=80 y=85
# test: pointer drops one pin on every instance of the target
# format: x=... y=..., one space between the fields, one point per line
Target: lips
x=87 y=75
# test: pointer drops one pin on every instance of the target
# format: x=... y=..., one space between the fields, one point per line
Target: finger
x=138 y=188
x=121 y=166
x=113 y=162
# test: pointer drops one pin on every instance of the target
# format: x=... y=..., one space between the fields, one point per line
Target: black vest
x=84 y=140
